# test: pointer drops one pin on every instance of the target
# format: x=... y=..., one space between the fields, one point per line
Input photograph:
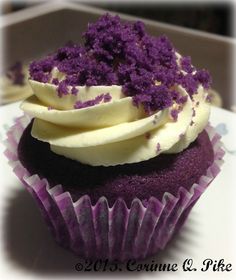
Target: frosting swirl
x=123 y=97
x=115 y=132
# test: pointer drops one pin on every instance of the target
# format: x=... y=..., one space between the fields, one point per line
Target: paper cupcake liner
x=117 y=232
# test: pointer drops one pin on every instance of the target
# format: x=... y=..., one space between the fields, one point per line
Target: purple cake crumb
x=209 y=98
x=186 y=64
x=107 y=97
x=62 y=88
x=189 y=83
x=158 y=148
x=174 y=114
x=102 y=97
x=40 y=70
x=123 y=53
x=15 y=74
x=182 y=99
x=203 y=77
x=55 y=81
x=74 y=91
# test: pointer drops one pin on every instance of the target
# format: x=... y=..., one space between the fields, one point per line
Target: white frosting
x=89 y=117
x=115 y=132
x=48 y=95
x=200 y=117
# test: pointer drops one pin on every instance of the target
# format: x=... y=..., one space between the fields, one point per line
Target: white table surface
x=27 y=250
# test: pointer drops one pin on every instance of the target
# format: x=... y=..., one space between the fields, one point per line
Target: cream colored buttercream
x=115 y=132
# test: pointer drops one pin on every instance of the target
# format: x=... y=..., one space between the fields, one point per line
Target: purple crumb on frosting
x=62 y=88
x=182 y=99
x=40 y=70
x=122 y=53
x=107 y=97
x=55 y=81
x=194 y=112
x=155 y=99
x=98 y=99
x=74 y=91
x=174 y=114
x=203 y=77
x=15 y=74
x=158 y=147
x=186 y=64
x=178 y=98
x=189 y=83
x=209 y=98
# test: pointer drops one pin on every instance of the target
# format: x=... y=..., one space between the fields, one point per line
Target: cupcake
x=115 y=144
x=14 y=83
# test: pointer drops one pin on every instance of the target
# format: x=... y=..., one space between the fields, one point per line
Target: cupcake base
x=119 y=232
x=153 y=177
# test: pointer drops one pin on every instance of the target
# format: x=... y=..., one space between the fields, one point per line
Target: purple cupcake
x=115 y=145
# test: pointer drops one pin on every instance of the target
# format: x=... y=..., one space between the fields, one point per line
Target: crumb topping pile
x=118 y=53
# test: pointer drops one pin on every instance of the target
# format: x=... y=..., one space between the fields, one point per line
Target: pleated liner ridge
x=117 y=232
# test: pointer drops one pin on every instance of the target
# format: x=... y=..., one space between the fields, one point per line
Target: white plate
x=29 y=252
